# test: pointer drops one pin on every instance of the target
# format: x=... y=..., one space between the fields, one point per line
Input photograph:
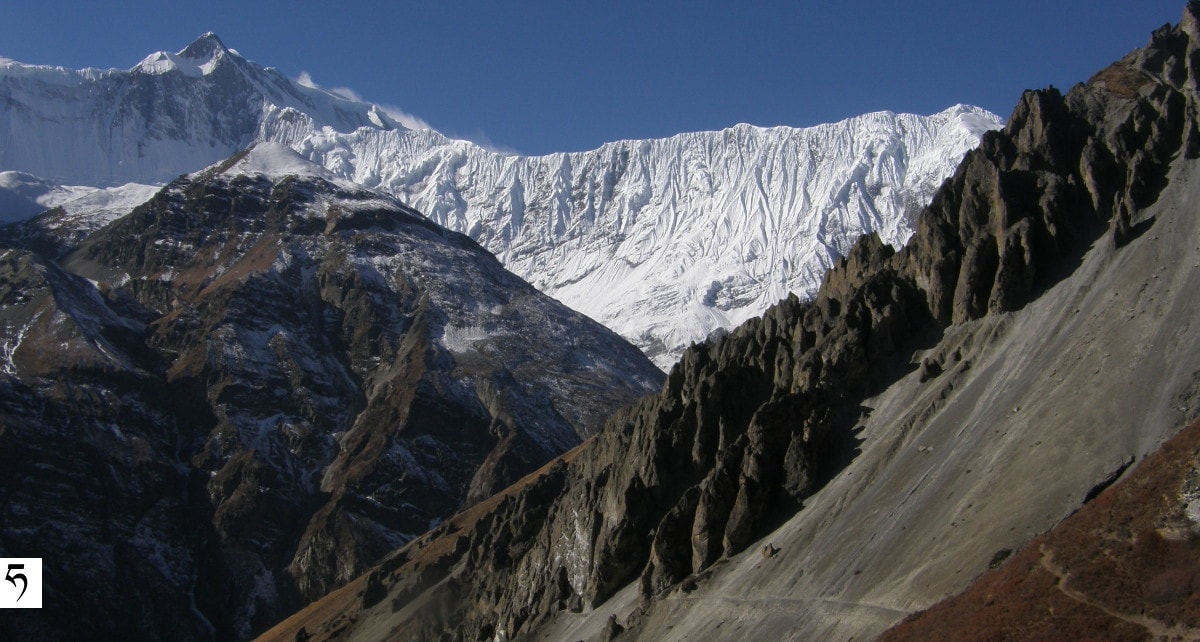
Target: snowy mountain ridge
x=169 y=115
x=691 y=233
x=662 y=240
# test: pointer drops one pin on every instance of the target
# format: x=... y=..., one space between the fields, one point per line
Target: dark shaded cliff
x=251 y=388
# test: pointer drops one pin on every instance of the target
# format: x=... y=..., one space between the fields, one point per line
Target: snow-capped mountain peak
x=207 y=47
x=170 y=114
x=197 y=59
x=975 y=120
x=663 y=240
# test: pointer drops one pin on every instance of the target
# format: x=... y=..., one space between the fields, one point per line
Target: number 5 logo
x=13 y=577
x=25 y=575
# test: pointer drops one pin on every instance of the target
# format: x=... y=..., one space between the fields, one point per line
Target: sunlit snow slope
x=667 y=240
x=662 y=240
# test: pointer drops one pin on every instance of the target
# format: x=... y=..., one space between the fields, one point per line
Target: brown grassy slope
x=1126 y=566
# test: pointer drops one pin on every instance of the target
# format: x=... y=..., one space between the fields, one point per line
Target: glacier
x=665 y=241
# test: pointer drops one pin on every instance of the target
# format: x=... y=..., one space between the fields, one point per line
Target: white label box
x=21 y=583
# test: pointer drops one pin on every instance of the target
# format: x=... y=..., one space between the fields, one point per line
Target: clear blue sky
x=562 y=75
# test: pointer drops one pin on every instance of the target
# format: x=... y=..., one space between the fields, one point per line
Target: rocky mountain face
x=691 y=233
x=249 y=389
x=828 y=468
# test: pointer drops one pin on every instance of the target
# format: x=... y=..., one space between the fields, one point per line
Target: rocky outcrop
x=314 y=373
x=749 y=425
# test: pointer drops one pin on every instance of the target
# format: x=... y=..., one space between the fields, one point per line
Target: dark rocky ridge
x=750 y=425
x=269 y=383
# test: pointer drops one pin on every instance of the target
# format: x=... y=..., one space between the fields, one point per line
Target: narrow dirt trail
x=1160 y=630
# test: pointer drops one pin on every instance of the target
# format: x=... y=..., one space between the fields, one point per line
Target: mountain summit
x=171 y=114
x=205 y=48
x=197 y=59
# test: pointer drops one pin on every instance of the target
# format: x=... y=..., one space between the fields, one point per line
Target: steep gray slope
x=826 y=469
x=268 y=379
x=662 y=240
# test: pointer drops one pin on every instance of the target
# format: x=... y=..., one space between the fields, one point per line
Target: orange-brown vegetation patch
x=1126 y=566
x=1121 y=80
x=334 y=611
